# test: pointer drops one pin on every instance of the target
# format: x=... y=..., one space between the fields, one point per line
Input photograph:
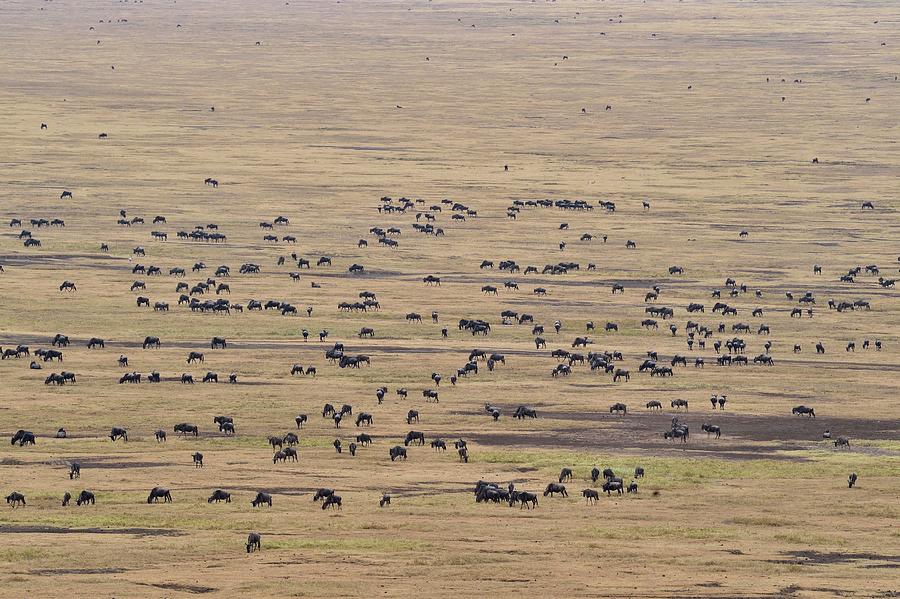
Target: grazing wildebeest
x=254 y=542
x=15 y=499
x=397 y=452
x=842 y=442
x=639 y=472
x=654 y=405
x=332 y=501
x=590 y=495
x=613 y=485
x=439 y=445
x=412 y=416
x=160 y=435
x=219 y=495
x=618 y=408
x=322 y=494
x=565 y=474
x=300 y=420
x=415 y=438
x=260 y=499
x=803 y=410
x=85 y=497
x=364 y=418
x=851 y=480
x=195 y=357
x=74 y=470
x=157 y=493
x=554 y=488
x=118 y=433
x=218 y=342
x=198 y=459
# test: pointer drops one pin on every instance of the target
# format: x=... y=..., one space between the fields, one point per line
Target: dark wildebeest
x=300 y=420
x=414 y=437
x=613 y=485
x=639 y=472
x=385 y=500
x=526 y=499
x=74 y=470
x=254 y=542
x=554 y=488
x=712 y=429
x=851 y=480
x=332 y=501
x=118 y=433
x=590 y=495
x=565 y=474
x=184 y=428
x=158 y=492
x=397 y=452
x=160 y=435
x=23 y=438
x=15 y=499
x=219 y=495
x=803 y=410
x=260 y=499
x=85 y=497
x=618 y=408
x=322 y=494
x=198 y=459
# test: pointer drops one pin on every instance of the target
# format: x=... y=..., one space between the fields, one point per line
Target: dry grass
x=307 y=125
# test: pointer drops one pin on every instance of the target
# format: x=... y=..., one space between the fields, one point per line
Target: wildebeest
x=219 y=495
x=260 y=499
x=198 y=459
x=74 y=470
x=680 y=403
x=654 y=405
x=554 y=488
x=15 y=499
x=185 y=429
x=851 y=480
x=415 y=438
x=332 y=501
x=618 y=408
x=590 y=495
x=842 y=442
x=613 y=485
x=322 y=494
x=254 y=542
x=565 y=474
x=397 y=453
x=711 y=429
x=803 y=410
x=85 y=497
x=118 y=433
x=157 y=493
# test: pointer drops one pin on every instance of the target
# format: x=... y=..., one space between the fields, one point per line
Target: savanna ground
x=338 y=106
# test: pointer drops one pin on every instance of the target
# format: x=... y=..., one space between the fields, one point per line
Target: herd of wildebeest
x=731 y=349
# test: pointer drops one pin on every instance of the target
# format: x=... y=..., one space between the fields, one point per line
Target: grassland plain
x=716 y=110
